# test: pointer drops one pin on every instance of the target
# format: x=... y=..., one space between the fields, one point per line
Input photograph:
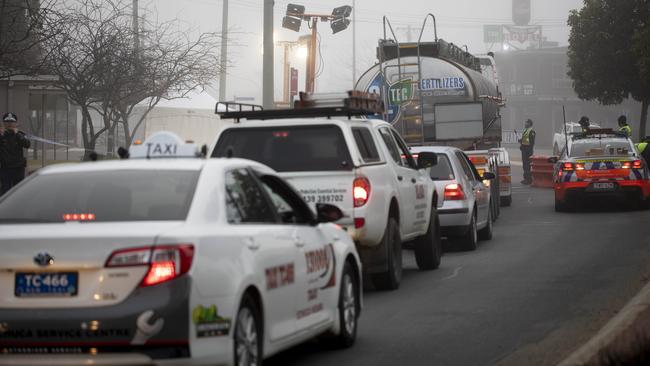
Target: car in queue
x=167 y=258
x=465 y=205
x=596 y=164
x=361 y=165
x=560 y=137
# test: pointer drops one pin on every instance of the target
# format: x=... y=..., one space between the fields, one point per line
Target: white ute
x=362 y=166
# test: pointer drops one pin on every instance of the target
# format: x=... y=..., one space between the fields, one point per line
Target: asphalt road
x=539 y=289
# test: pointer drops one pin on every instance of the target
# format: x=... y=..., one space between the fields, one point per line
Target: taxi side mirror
x=553 y=159
x=489 y=176
x=328 y=213
x=427 y=159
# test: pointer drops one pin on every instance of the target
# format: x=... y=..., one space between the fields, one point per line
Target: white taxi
x=183 y=261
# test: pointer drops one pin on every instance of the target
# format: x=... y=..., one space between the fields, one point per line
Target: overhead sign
x=492 y=33
x=521 y=12
x=525 y=34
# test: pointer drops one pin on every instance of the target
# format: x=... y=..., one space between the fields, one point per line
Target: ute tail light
x=454 y=192
x=165 y=262
x=360 y=191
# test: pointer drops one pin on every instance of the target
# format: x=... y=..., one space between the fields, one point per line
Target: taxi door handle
x=251 y=244
x=299 y=242
x=413 y=180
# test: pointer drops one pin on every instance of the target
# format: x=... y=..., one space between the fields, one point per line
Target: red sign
x=294 y=82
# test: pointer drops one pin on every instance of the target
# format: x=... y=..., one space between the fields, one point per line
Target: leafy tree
x=609 y=55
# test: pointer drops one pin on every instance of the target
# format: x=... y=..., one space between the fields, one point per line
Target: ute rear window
x=288 y=148
x=104 y=196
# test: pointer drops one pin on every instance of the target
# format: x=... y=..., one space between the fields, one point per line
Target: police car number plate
x=46 y=284
x=603 y=186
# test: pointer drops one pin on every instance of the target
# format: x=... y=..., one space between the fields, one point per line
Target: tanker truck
x=437 y=93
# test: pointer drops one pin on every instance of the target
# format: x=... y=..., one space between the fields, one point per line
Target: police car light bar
x=352 y=103
x=163 y=144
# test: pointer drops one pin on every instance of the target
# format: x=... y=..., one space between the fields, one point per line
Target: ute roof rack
x=352 y=103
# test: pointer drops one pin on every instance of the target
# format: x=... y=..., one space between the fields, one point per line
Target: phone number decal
x=323 y=198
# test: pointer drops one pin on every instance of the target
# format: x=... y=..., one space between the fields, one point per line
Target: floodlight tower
x=339 y=20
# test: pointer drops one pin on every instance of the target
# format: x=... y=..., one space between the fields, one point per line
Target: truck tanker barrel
x=437 y=93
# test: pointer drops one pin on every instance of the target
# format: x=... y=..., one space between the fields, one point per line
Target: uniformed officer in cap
x=12 y=157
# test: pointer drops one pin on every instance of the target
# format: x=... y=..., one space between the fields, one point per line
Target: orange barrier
x=542 y=171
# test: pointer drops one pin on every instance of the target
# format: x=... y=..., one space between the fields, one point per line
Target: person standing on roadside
x=623 y=127
x=12 y=158
x=527 y=144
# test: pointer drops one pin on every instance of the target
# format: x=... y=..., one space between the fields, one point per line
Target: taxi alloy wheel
x=248 y=338
x=348 y=307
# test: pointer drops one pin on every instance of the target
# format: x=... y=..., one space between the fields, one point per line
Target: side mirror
x=489 y=176
x=328 y=213
x=427 y=159
x=553 y=159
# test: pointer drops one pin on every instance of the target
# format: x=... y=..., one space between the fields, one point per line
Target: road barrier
x=542 y=171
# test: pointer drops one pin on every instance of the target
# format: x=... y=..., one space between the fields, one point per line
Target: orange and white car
x=599 y=163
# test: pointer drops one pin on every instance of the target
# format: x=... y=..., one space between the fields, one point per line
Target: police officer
x=624 y=127
x=644 y=149
x=584 y=123
x=527 y=143
x=12 y=159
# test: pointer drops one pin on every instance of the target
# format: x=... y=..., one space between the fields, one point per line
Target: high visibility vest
x=642 y=146
x=627 y=130
x=525 y=137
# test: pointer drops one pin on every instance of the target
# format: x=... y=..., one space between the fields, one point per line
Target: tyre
x=428 y=247
x=348 y=308
x=560 y=206
x=506 y=201
x=248 y=335
x=469 y=240
x=392 y=241
x=486 y=232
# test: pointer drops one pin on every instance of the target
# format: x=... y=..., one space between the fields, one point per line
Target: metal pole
x=313 y=44
x=354 y=43
x=287 y=74
x=267 y=69
x=224 y=52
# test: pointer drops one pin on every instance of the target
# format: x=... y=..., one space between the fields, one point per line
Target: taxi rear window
x=101 y=196
x=288 y=148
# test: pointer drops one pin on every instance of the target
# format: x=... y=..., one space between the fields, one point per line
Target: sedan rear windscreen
x=288 y=148
x=102 y=196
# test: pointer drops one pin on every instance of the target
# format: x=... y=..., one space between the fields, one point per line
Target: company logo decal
x=280 y=276
x=322 y=263
x=209 y=323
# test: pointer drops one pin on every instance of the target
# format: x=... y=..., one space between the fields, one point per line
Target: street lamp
x=293 y=20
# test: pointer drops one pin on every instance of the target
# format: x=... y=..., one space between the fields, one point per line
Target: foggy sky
x=458 y=21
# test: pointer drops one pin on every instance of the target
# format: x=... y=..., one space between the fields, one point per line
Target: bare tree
x=24 y=26
x=106 y=67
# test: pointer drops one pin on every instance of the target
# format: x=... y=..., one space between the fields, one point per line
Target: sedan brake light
x=636 y=164
x=165 y=262
x=454 y=192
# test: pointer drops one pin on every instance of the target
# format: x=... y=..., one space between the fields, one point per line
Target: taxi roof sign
x=163 y=144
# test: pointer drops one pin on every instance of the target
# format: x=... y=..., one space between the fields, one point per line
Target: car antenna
x=566 y=137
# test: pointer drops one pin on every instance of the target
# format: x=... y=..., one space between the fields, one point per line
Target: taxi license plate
x=46 y=284
x=603 y=186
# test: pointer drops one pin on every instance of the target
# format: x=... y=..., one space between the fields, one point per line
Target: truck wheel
x=506 y=201
x=428 y=247
x=392 y=241
x=469 y=240
x=486 y=232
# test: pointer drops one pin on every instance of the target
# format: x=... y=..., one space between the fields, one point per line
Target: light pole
x=267 y=68
x=339 y=20
x=224 y=52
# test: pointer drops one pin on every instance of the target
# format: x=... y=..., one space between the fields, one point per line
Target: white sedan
x=464 y=211
x=184 y=261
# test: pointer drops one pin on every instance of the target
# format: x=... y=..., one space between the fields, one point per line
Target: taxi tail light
x=165 y=262
x=454 y=192
x=360 y=191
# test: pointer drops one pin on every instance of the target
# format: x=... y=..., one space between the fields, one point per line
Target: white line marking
x=455 y=274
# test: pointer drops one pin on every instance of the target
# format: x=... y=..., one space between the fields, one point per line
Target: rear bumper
x=151 y=324
x=454 y=213
x=632 y=189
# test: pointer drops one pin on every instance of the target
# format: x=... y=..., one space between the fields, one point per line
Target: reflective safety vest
x=525 y=137
x=642 y=146
x=627 y=130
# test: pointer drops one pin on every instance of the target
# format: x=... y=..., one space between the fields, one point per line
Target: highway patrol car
x=182 y=261
x=599 y=163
